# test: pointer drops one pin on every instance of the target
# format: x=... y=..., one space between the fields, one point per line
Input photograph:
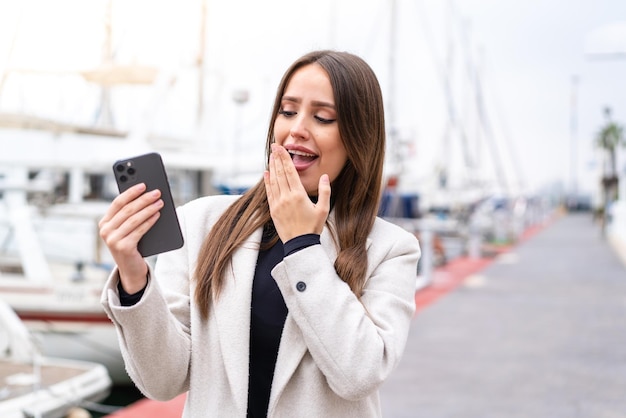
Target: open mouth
x=301 y=158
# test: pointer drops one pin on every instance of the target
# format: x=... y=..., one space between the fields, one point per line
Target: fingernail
x=325 y=179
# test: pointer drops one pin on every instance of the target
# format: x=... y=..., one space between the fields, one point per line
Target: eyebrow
x=316 y=103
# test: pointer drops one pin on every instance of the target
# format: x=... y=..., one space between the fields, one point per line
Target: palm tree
x=609 y=138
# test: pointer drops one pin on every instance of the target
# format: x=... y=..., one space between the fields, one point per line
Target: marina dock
x=538 y=330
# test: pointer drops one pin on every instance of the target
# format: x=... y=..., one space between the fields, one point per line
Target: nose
x=299 y=129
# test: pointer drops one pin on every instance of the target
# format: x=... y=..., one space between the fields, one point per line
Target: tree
x=609 y=138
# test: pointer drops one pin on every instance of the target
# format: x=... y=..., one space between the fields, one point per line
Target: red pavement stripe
x=447 y=277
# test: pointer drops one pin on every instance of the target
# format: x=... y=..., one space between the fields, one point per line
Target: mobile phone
x=165 y=234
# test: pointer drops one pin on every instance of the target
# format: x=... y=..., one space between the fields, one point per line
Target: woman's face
x=306 y=125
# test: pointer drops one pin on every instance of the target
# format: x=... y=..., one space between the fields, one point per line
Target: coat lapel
x=232 y=313
x=292 y=347
x=292 y=350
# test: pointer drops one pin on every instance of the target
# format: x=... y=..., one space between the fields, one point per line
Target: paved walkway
x=538 y=333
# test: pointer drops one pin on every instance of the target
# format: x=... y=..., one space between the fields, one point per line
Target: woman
x=293 y=300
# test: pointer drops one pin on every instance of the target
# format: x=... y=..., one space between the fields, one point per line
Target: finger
x=134 y=212
x=127 y=234
x=122 y=200
x=323 y=194
x=114 y=219
x=273 y=177
x=140 y=226
x=278 y=168
x=128 y=244
x=292 y=179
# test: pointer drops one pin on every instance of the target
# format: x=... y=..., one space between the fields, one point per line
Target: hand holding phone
x=165 y=234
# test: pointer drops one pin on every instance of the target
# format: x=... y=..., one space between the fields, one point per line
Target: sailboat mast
x=396 y=162
x=104 y=117
x=201 y=61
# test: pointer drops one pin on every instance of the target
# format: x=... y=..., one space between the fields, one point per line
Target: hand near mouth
x=292 y=210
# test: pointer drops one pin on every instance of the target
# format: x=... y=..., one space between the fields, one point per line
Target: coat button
x=301 y=286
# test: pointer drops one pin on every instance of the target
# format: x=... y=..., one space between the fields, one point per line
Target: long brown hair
x=356 y=191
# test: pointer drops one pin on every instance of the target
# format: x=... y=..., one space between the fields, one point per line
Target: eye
x=286 y=113
x=325 y=120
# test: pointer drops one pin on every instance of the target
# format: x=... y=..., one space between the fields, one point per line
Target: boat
x=54 y=188
x=34 y=385
x=51 y=279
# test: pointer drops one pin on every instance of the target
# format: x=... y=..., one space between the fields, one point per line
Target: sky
x=544 y=53
x=511 y=92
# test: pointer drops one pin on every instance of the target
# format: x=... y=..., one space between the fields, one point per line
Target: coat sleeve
x=356 y=343
x=154 y=334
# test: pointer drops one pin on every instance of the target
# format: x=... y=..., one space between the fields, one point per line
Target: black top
x=268 y=314
x=267 y=320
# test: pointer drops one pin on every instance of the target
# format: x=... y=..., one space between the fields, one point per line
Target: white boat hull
x=62 y=385
x=67 y=321
x=35 y=385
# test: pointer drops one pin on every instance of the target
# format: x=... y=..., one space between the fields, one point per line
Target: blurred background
x=498 y=113
x=507 y=97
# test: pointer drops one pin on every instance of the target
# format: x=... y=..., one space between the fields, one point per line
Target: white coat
x=335 y=350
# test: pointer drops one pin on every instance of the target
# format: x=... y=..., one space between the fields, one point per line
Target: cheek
x=337 y=161
x=280 y=133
